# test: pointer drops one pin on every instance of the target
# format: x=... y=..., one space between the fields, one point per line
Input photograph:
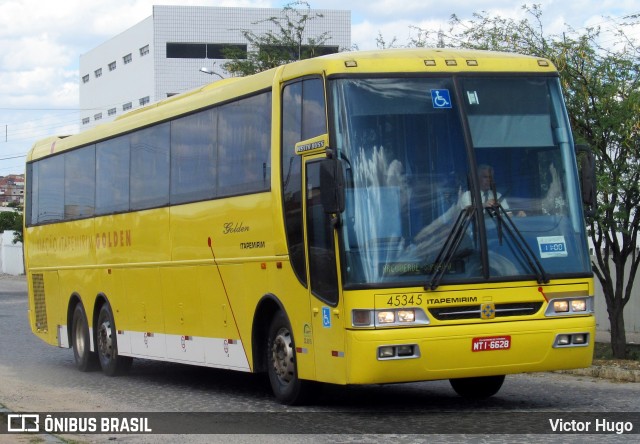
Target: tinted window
x=79 y=184
x=303 y=117
x=292 y=176
x=196 y=155
x=313 y=110
x=31 y=207
x=225 y=50
x=186 y=50
x=244 y=137
x=150 y=167
x=193 y=157
x=322 y=257
x=112 y=175
x=50 y=206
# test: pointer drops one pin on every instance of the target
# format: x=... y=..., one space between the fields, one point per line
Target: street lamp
x=210 y=72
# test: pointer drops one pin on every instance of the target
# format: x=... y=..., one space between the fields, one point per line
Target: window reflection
x=112 y=175
x=410 y=177
x=150 y=167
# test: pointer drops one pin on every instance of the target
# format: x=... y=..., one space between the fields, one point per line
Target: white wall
x=127 y=83
x=631 y=310
x=11 y=256
x=194 y=24
x=156 y=76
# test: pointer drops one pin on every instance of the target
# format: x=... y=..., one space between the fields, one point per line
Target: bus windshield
x=471 y=178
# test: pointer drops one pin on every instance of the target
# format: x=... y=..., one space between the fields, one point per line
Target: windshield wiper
x=451 y=244
x=501 y=216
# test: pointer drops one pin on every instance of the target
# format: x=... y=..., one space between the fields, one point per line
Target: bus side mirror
x=332 y=186
x=587 y=167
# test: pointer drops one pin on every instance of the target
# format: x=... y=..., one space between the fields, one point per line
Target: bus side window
x=303 y=117
x=322 y=256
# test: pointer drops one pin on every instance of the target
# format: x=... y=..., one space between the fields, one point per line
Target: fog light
x=563 y=340
x=580 y=339
x=361 y=318
x=560 y=306
x=405 y=350
x=386 y=317
x=406 y=315
x=578 y=305
x=386 y=352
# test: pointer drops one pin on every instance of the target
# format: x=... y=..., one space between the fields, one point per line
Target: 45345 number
x=403 y=300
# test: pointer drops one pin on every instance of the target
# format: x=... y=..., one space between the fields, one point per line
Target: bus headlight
x=563 y=340
x=566 y=340
x=560 y=306
x=570 y=306
x=405 y=317
x=386 y=352
x=386 y=317
x=578 y=305
x=579 y=339
x=399 y=351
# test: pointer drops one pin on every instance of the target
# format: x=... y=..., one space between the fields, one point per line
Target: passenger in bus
x=553 y=202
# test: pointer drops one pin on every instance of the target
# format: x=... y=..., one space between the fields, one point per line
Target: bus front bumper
x=443 y=352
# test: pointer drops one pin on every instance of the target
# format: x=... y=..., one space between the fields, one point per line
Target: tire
x=85 y=359
x=481 y=387
x=281 y=364
x=107 y=344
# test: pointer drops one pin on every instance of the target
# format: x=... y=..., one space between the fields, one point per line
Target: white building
x=162 y=55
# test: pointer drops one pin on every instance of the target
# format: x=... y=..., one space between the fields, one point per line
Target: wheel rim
x=79 y=337
x=105 y=344
x=282 y=356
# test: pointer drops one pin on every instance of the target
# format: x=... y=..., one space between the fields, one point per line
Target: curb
x=614 y=373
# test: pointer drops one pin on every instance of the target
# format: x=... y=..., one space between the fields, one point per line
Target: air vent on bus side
x=39 y=302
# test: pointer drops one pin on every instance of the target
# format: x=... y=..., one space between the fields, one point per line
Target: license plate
x=491 y=343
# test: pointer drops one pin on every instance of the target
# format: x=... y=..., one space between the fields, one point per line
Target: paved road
x=35 y=377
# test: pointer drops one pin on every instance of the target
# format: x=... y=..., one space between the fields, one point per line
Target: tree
x=274 y=48
x=605 y=108
x=12 y=221
x=602 y=92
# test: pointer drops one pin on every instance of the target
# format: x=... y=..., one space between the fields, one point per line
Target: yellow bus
x=358 y=218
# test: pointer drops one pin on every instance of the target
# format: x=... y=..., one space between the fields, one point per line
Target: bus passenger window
x=50 y=193
x=150 y=167
x=193 y=157
x=112 y=175
x=79 y=185
x=244 y=141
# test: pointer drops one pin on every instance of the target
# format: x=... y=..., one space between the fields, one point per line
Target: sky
x=41 y=42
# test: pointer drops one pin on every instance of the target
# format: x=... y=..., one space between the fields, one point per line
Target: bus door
x=327 y=307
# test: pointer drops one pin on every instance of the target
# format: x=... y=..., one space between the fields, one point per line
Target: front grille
x=474 y=311
x=39 y=302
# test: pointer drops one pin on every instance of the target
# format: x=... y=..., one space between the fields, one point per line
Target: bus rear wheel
x=112 y=364
x=281 y=362
x=481 y=387
x=85 y=359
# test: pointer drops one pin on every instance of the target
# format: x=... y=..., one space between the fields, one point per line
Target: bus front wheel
x=481 y=387
x=281 y=362
x=112 y=364
x=85 y=359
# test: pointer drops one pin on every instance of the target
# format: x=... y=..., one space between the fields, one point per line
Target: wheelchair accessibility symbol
x=326 y=317
x=440 y=98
